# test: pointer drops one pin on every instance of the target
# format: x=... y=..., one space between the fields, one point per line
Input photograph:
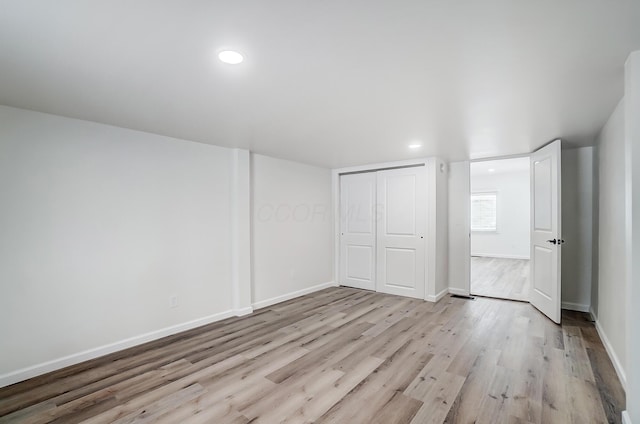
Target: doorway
x=500 y=223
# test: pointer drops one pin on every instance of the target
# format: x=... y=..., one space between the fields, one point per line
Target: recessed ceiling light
x=415 y=145
x=230 y=57
x=492 y=170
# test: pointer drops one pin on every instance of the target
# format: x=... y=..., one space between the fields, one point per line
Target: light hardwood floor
x=501 y=278
x=344 y=356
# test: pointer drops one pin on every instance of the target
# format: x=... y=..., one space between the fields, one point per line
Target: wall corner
x=241 y=264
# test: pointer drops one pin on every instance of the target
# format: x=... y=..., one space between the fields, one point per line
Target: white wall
x=99 y=227
x=442 y=227
x=632 y=134
x=292 y=228
x=241 y=231
x=437 y=236
x=612 y=290
x=577 y=225
x=513 y=235
x=595 y=232
x=459 y=242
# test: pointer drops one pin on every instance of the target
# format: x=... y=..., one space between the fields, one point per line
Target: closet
x=383 y=226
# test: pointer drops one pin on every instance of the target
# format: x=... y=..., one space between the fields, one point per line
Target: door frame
x=431 y=165
x=466 y=289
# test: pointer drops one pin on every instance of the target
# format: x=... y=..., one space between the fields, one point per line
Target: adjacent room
x=500 y=228
x=345 y=212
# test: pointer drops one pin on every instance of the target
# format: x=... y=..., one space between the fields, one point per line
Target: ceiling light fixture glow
x=415 y=145
x=230 y=57
x=492 y=170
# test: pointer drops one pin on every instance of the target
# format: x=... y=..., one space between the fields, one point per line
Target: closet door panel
x=401 y=225
x=358 y=230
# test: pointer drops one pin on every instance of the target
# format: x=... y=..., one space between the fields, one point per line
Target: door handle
x=555 y=241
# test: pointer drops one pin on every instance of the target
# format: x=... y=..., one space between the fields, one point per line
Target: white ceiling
x=327 y=82
x=499 y=167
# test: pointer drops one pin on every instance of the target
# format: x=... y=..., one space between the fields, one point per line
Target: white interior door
x=358 y=230
x=402 y=204
x=546 y=235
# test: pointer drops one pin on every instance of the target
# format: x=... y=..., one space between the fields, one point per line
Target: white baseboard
x=243 y=311
x=76 y=358
x=499 y=256
x=570 y=306
x=438 y=296
x=459 y=292
x=626 y=419
x=292 y=295
x=617 y=365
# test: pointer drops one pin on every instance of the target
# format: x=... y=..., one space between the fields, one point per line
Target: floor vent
x=459 y=296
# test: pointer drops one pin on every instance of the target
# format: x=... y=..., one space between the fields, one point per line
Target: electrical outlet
x=173 y=301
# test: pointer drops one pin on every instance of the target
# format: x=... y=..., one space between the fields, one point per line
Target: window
x=484 y=211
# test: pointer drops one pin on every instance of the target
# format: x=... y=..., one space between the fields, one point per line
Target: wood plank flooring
x=500 y=278
x=344 y=356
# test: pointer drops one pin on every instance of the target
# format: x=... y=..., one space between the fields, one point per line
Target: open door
x=546 y=235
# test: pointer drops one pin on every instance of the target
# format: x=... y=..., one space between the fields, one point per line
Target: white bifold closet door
x=383 y=223
x=401 y=226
